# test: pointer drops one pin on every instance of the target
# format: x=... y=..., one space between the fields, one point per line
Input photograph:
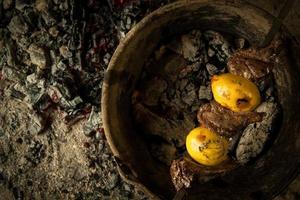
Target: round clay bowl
x=265 y=178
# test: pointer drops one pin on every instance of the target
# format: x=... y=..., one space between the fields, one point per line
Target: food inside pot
x=206 y=103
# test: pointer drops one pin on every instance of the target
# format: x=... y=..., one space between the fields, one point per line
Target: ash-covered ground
x=53 y=55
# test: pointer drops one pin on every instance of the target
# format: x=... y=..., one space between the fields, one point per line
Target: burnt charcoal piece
x=192 y=46
x=254 y=137
x=38 y=56
x=224 y=121
x=219 y=45
x=93 y=122
x=18 y=25
x=205 y=92
x=185 y=172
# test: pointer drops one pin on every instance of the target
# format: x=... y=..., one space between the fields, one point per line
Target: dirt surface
x=53 y=54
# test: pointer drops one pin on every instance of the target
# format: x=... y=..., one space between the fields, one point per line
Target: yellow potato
x=235 y=92
x=206 y=147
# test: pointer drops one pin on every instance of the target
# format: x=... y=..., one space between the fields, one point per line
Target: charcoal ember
x=212 y=69
x=189 y=70
x=211 y=52
x=43 y=104
x=189 y=95
x=152 y=90
x=93 y=56
x=37 y=99
x=106 y=58
x=22 y=4
x=7 y=4
x=53 y=31
x=111 y=180
x=12 y=92
x=254 y=137
x=36 y=93
x=64 y=6
x=193 y=48
x=128 y=19
x=12 y=58
x=59 y=68
x=219 y=44
x=185 y=172
x=76 y=62
x=62 y=90
x=13 y=74
x=269 y=94
x=71 y=104
x=94 y=121
x=20 y=88
x=91 y=84
x=48 y=19
x=65 y=52
x=41 y=5
x=224 y=121
x=205 y=92
x=24 y=43
x=72 y=116
x=173 y=131
x=39 y=56
x=18 y=25
x=32 y=78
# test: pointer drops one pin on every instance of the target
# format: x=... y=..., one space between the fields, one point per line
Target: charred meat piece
x=251 y=69
x=185 y=172
x=254 y=63
x=224 y=121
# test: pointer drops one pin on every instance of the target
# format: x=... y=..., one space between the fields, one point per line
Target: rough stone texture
x=255 y=135
x=38 y=56
x=18 y=25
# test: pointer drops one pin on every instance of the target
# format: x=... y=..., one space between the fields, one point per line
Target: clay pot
x=265 y=178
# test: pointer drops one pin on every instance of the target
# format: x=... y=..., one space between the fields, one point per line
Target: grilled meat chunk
x=224 y=121
x=184 y=172
x=254 y=63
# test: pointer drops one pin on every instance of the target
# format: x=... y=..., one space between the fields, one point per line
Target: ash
x=53 y=55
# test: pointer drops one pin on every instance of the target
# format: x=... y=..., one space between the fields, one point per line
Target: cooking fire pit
x=271 y=172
